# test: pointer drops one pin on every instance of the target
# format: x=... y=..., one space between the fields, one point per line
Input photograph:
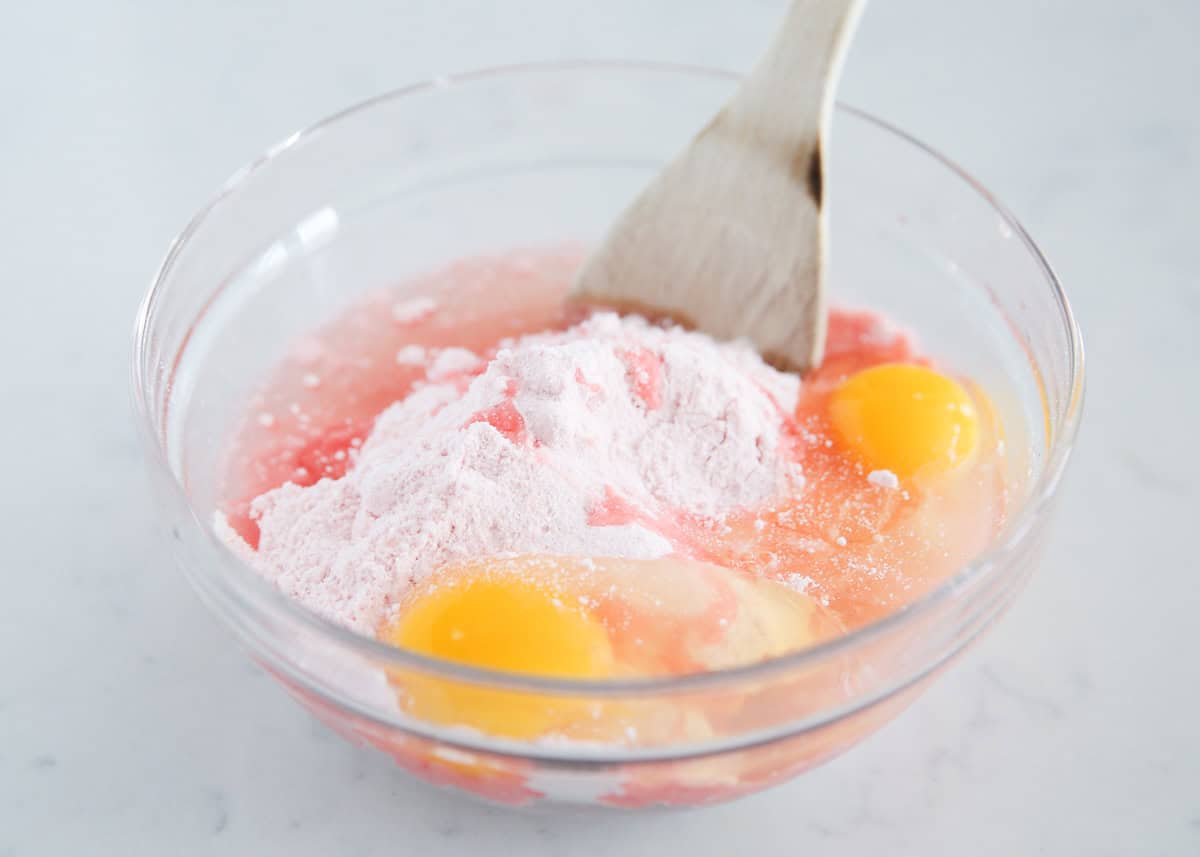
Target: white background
x=130 y=722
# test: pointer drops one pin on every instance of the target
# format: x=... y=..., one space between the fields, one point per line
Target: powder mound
x=586 y=442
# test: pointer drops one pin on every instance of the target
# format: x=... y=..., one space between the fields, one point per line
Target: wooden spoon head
x=728 y=239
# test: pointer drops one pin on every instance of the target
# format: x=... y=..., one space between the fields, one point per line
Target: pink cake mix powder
x=585 y=442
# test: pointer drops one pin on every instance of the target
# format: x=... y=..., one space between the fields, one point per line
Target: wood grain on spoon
x=730 y=236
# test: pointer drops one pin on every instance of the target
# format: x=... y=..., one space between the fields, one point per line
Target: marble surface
x=131 y=723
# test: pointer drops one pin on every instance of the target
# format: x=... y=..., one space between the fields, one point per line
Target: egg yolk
x=500 y=622
x=904 y=418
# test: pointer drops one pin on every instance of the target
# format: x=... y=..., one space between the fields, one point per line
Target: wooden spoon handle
x=788 y=93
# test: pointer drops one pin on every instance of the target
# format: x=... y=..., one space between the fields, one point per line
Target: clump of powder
x=884 y=479
x=413 y=310
x=585 y=442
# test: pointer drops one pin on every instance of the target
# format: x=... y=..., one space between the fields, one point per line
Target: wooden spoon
x=730 y=237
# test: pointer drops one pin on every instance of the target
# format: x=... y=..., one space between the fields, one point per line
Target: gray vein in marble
x=1033 y=704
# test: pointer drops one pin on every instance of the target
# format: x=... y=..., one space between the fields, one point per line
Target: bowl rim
x=1011 y=537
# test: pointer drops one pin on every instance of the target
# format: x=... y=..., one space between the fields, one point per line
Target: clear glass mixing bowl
x=538 y=155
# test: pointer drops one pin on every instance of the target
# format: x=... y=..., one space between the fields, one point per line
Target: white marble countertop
x=130 y=721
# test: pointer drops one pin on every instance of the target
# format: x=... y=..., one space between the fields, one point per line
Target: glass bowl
x=537 y=155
